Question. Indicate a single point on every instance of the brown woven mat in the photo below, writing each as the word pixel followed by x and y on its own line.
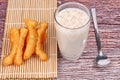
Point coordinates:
pixel 40 10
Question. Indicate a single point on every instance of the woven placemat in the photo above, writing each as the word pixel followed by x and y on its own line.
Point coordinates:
pixel 40 10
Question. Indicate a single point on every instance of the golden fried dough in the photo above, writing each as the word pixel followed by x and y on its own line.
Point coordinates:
pixel 31 24
pixel 44 37
pixel 14 39
pixel 41 33
pixel 24 42
pixel 18 57
pixel 31 38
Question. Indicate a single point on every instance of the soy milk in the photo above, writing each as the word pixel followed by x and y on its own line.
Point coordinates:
pixel 72 32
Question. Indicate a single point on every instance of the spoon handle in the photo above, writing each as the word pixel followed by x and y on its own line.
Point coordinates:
pixel 93 10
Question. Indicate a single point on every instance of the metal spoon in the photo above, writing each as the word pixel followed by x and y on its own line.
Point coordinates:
pixel 101 59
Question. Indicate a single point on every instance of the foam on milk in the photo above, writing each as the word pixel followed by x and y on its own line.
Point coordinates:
pixel 72 17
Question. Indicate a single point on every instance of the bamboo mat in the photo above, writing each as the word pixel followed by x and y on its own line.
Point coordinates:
pixel 40 10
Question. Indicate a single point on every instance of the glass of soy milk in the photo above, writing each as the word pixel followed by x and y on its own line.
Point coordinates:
pixel 72 21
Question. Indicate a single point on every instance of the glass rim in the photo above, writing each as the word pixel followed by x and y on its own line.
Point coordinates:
pixel 89 14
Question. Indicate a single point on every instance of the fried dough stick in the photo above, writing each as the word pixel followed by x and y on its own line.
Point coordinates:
pixel 18 57
pixel 44 37
pixel 41 33
pixel 14 39
pixel 31 39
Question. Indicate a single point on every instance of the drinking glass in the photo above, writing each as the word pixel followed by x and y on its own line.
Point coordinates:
pixel 72 40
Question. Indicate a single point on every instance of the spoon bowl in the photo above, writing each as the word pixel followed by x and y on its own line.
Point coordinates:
pixel 102 60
